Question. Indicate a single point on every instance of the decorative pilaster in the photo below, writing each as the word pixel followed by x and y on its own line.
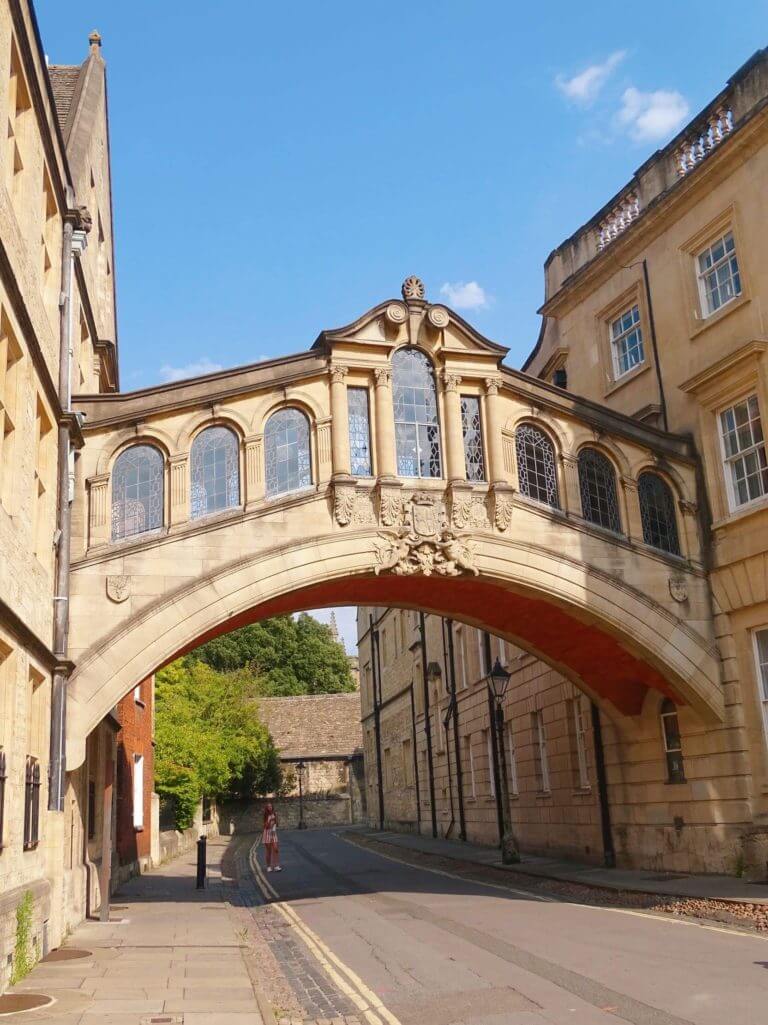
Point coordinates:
pixel 634 523
pixel 341 463
pixel 454 438
pixel 179 470
pixel 254 463
pixel 690 537
pixel 324 449
pixel 99 520
pixel 493 418
pixel 571 497
pixel 385 423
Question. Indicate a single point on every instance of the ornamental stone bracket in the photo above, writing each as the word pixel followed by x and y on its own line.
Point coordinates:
pixel 425 544
pixel 353 506
pixel 503 503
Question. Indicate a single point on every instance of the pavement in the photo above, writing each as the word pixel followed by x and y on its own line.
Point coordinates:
pixel 172 953
pixel 705 887
pixel 348 935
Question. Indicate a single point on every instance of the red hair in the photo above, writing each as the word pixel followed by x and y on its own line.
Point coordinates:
pixel 269 810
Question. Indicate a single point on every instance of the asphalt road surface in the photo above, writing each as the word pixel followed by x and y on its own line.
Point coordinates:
pixel 438 950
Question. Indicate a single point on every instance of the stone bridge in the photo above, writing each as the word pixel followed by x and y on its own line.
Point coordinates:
pixel 395 462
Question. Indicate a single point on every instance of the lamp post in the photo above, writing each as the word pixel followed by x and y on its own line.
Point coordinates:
pixel 300 771
pixel 498 682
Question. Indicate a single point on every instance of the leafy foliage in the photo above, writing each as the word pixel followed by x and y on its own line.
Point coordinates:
pixel 286 656
pixel 24 956
pixel 209 738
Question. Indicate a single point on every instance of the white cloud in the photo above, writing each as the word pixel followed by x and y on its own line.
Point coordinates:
pixel 196 369
pixel 465 295
pixel 585 87
pixel 649 117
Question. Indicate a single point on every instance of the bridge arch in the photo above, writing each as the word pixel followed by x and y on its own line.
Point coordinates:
pixel 604 635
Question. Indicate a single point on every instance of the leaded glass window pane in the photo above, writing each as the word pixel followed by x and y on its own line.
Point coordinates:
pixel 473 437
pixel 137 491
pixel 536 474
pixel 359 432
pixel 657 513
pixel 597 483
pixel 286 452
pixel 417 428
pixel 215 472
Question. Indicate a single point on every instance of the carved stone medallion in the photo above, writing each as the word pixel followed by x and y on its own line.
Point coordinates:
pixel 678 588
pixel 413 288
pixel 118 588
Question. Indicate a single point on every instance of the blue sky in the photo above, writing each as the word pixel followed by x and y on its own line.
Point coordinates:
pixel 279 168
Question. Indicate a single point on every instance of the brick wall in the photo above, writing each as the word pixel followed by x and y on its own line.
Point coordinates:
pixel 134 740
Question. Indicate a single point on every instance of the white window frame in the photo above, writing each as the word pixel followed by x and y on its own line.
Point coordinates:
pixel 615 340
pixel 489 745
pixel 471 761
pixel 580 733
pixel 729 461
pixel 137 694
pixel 707 310
pixel 502 651
pixel 514 785
pixel 138 791
pixel 541 746
pixel 761 671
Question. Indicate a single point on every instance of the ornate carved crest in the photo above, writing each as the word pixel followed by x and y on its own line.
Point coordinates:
pixel 678 588
pixel 118 588
pixel 469 511
pixel 426 545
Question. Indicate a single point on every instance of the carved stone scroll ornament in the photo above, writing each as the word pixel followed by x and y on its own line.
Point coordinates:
pixel 438 317
pixel 391 508
pixel 352 507
pixel 118 588
pixel 502 511
pixel 396 313
pixel 470 511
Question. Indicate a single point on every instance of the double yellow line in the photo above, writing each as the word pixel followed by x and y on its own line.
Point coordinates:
pixel 340 974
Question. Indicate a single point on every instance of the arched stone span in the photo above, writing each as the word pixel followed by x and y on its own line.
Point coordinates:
pixel 600 632
pixel 614 614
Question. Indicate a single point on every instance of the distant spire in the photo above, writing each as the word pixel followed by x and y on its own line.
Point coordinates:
pixel 95 41
pixel 333 627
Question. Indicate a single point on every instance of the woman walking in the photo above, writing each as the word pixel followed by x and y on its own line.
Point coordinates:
pixel 269 838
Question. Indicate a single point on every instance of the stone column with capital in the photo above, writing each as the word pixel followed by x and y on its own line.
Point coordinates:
pixel 454 436
pixel 254 469
pixel 570 500
pixel 99 513
pixel 634 521
pixel 340 458
pixel 496 473
pixel 386 462
pixel 179 472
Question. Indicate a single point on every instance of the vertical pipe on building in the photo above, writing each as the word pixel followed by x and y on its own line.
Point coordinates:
pixel 415 761
pixel 57 751
pixel 654 343
pixel 456 743
pixel 105 871
pixel 376 666
pixel 609 853
pixel 428 723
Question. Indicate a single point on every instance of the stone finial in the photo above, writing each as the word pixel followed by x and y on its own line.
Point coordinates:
pixel 413 288
pixel 94 40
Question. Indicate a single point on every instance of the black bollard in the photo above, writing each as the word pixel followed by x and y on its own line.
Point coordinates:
pixel 201 863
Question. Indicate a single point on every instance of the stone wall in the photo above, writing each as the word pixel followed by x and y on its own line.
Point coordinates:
pixel 319 811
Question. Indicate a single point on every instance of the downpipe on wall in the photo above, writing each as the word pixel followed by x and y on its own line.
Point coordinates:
pixel 76 225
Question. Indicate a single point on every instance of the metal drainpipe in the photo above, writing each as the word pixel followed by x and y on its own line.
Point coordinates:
pixel 72 239
pixel 609 852
pixel 654 343
pixel 456 741
pixel 415 761
pixel 428 723
pixel 376 665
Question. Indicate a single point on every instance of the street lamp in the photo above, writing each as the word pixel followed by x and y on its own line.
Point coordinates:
pixel 498 682
pixel 300 771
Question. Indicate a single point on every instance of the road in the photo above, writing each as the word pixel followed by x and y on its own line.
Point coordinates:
pixel 438 950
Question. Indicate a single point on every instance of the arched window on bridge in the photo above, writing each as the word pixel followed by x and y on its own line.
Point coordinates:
pixel 673 745
pixel 215 471
pixel 536 473
pixel 137 491
pixel 597 484
pixel 417 427
pixel 288 465
pixel 657 513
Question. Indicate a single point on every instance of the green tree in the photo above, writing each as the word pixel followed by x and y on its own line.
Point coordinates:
pixel 284 655
pixel 209 738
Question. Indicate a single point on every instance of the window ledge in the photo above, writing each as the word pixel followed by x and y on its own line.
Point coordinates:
pixel 619 382
pixel 542 795
pixel 581 791
pixel 139 703
pixel 743 512
pixel 714 318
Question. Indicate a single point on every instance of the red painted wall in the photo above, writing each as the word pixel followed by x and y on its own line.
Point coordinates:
pixel 134 738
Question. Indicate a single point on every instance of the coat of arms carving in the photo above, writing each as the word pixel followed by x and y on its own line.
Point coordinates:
pixel 118 588
pixel 426 545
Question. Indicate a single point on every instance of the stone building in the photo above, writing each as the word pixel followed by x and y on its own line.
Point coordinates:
pixel 653 308
pixel 321 731
pixel 57 339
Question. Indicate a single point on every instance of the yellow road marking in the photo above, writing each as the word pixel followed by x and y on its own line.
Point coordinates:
pixel 348 981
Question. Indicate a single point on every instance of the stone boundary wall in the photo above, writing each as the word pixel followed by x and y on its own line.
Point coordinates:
pixel 38 938
pixel 319 811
